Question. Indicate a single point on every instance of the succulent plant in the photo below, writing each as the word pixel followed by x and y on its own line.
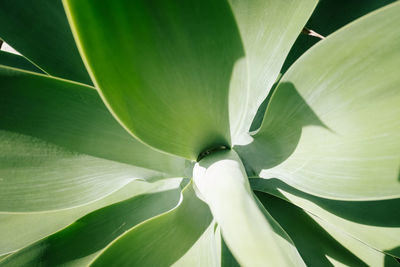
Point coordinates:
pixel 159 133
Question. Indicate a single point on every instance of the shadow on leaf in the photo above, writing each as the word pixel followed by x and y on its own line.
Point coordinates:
pixel 280 131
pixel 382 213
pixel 82 240
pixel 310 239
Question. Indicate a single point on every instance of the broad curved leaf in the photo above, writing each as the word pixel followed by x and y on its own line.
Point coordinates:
pixel 204 252
pixel 268 29
pixel 39 30
pixel 80 242
pixel 162 240
pixel 332 127
pixel 35 226
pixel 318 243
pixel 375 223
pixel 165 72
pixel 38 176
pixel 40 130
pixel 73 116
pixel 252 235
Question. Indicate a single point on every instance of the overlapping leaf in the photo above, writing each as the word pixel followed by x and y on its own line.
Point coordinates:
pixel 80 242
pixel 374 223
pixel 39 30
pixel 329 16
pixel 268 29
pixel 169 235
pixel 205 252
pixel 17 61
pixel 44 123
pixel 46 223
pixel 165 72
pixel 333 124
pixel 320 243
pixel 253 236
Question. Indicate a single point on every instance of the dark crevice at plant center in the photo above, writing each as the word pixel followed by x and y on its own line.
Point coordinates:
pixel 211 150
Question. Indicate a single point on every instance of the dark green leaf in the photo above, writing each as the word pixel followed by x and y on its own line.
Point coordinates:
pixel 80 242
pixel 17 61
pixel 160 241
pixel 39 30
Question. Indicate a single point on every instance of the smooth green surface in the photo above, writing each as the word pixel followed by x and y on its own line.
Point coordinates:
pixel 329 16
pixel 333 126
pixel 170 235
pixel 179 57
pixel 80 242
pixel 62 148
pixel 318 242
pixel 17 61
pixel 38 176
pixel 253 237
pixel 227 259
pixel 72 116
pixel 375 223
pixel 47 223
pixel 39 30
pixel 268 29
pixel 204 252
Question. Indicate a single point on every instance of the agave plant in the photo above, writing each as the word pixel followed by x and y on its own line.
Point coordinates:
pixel 133 133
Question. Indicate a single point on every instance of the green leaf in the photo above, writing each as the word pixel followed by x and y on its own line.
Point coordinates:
pixel 227 259
pixel 73 116
pixel 204 252
pixel 162 240
pixel 47 223
pixel 319 243
pixel 268 29
pixel 332 127
pixel 165 72
pixel 375 223
pixel 329 16
pixel 3 256
pixel 39 30
pixel 80 242
pixel 17 61
pixel 40 131
pixel 252 235
pixel 39 176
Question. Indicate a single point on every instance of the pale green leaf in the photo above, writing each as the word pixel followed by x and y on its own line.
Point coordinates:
pixel 318 243
pixel 329 16
pixel 80 242
pixel 375 223
pixel 43 122
pixel 204 252
pixel 39 30
pixel 162 240
pixel 39 176
pixel 163 68
pixel 268 29
pixel 332 127
pixel 35 226
pixel 227 259
pixel 252 235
